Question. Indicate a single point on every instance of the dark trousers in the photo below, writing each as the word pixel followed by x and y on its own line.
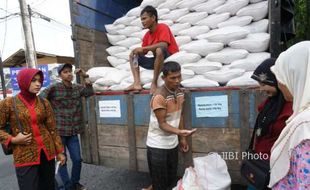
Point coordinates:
pixel 163 164
pixel 37 177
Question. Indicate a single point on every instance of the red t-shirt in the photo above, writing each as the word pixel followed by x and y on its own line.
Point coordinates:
pixel 161 34
pixel 264 144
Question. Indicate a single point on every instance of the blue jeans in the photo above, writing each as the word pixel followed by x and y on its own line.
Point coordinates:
pixel 73 145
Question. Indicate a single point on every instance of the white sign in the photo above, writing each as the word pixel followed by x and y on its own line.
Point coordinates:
pixel 110 108
pixel 211 106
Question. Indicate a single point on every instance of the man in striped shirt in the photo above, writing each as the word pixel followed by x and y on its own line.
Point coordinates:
pixel 165 128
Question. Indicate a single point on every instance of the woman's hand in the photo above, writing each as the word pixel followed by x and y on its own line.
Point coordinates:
pixel 61 158
pixel 22 139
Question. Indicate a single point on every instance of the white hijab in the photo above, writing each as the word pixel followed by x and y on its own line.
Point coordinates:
pixel 292 69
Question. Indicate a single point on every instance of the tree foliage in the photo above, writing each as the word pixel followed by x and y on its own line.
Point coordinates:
pixel 302 21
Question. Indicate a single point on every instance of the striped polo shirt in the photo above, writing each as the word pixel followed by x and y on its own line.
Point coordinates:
pixel 172 103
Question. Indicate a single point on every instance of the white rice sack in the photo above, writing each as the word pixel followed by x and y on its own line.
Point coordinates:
pixel 194 31
pixel 250 62
pixel 225 34
pixel 135 46
pixel 115 61
pixel 258 26
pixel 169 4
pixel 123 55
pixel 182 57
pixel 192 18
pixel 227 55
pixel 113 78
pixel 236 21
pixel 176 28
pixel 162 12
pixel 152 3
pixel 175 14
pixel 208 6
pixel 134 12
pixel 124 20
pixel 224 75
pixel 255 1
pixel 129 30
pixel 160 82
pixel 115 49
pixel 139 34
pixel 187 74
pixel 129 42
pixel 257 42
pixel 167 22
pixel 99 72
pixel 213 20
pixel 199 81
pixel 146 76
pixel 203 66
pixel 181 40
pixel 202 47
pixel 258 10
pixel 244 80
pixel 136 22
pixel 189 4
pixel 99 88
pixel 121 86
pixel 231 6
pixel 113 29
pixel 125 67
pixel 113 39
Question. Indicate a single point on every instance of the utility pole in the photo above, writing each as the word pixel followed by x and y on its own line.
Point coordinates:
pixel 308 20
pixel 2 78
pixel 30 52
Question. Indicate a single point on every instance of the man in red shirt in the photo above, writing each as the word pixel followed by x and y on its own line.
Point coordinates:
pixel 159 40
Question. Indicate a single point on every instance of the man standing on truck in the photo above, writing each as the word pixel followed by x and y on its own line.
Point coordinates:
pixel 65 99
pixel 159 40
pixel 166 127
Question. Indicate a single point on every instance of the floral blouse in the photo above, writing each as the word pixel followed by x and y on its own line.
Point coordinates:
pixel 298 176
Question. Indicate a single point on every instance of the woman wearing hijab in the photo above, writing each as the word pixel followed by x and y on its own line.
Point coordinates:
pixel 35 147
pixel 273 112
pixel 290 154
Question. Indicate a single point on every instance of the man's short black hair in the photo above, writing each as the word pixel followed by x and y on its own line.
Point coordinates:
pixel 170 66
pixel 151 11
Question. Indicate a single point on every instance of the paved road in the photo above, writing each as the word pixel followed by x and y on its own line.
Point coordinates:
pixel 93 177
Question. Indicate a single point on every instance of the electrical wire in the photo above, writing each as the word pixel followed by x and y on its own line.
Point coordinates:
pixel 5 27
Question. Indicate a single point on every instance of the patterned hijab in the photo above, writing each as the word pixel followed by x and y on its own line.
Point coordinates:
pixel 273 105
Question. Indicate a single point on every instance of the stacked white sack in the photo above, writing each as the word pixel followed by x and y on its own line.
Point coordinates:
pixel 209 33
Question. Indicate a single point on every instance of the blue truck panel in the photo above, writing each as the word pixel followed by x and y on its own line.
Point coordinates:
pixel 142 109
pixel 233 110
pixel 95 14
pixel 113 120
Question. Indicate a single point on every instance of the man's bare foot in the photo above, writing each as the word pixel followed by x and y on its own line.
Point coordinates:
pixel 153 88
pixel 134 87
pixel 148 188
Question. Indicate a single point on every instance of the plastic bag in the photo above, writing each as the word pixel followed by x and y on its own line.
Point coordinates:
pixel 212 172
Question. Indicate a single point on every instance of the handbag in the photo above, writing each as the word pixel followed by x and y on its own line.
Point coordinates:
pixel 8 150
pixel 255 171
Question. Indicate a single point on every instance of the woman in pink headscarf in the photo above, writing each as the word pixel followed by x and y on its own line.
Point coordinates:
pixel 290 154
pixel 37 142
